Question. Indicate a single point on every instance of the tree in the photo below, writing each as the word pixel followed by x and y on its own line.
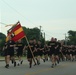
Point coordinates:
pixel 2 41
pixel 72 37
pixel 32 33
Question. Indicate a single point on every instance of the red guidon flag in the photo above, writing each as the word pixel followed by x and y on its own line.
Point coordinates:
pixel 16 32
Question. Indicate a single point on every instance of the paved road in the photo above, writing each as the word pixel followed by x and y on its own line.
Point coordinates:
pixel 64 68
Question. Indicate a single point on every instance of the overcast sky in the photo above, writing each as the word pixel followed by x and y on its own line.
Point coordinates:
pixel 56 17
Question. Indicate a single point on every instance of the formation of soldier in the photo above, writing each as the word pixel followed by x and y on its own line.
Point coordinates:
pixel 36 51
pixel 69 52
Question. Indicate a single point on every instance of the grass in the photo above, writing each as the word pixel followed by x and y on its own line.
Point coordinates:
pixel 2 57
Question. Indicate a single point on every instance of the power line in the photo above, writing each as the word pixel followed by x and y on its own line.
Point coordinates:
pixel 3 23
pixel 17 12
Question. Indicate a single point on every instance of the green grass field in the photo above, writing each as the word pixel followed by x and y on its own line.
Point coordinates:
pixel 2 57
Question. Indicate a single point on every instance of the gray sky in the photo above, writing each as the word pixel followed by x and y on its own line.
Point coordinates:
pixel 56 17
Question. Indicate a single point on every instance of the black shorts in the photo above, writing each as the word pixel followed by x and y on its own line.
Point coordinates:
pixel 35 54
pixel 40 53
pixel 29 56
pixel 45 53
pixel 73 53
pixel 5 53
pixel 57 53
pixel 50 53
pixel 19 53
pixel 9 52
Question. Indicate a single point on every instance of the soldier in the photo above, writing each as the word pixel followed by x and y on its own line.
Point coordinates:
pixel 35 51
pixel 45 52
pixel 52 45
pixel 64 52
pixel 40 52
pixel 30 49
pixel 10 52
pixel 5 52
pixel 73 53
pixel 57 51
pixel 20 47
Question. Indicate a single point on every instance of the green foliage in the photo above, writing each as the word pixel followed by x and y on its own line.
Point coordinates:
pixel 2 41
pixel 32 33
pixel 72 37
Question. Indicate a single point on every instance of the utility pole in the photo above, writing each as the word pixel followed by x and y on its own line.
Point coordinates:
pixel 65 39
pixel 44 37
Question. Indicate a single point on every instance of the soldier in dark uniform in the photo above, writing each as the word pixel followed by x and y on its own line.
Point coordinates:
pixel 20 47
pixel 10 52
pixel 35 51
pixel 40 49
pixel 64 53
pixel 29 53
pixel 57 51
pixel 45 52
pixel 73 53
pixel 52 45
pixel 67 53
pixel 5 53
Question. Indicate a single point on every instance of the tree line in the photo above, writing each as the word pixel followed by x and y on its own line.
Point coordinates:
pixel 32 33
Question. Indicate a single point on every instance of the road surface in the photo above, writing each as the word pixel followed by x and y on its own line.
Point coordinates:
pixel 64 68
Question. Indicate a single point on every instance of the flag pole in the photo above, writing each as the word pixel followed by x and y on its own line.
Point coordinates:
pixel 30 50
